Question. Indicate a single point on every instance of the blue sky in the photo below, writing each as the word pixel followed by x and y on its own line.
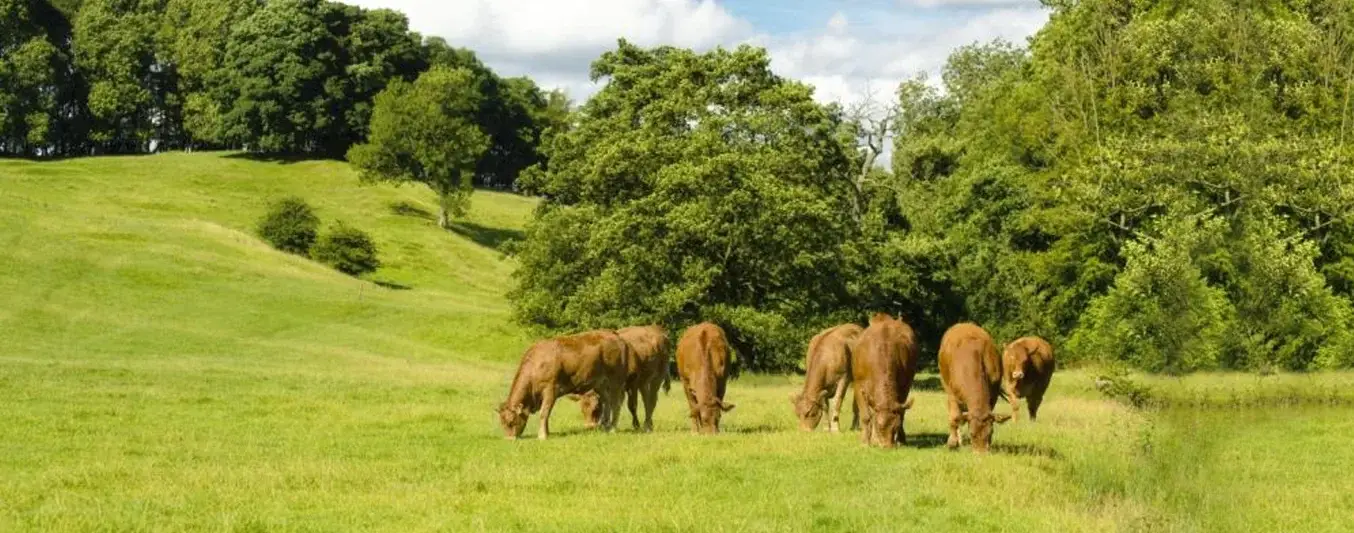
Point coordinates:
pixel 845 48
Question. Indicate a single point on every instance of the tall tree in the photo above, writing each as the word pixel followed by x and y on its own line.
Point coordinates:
pixel 425 132
pixel 129 92
pixel 36 86
pixel 193 38
pixel 693 186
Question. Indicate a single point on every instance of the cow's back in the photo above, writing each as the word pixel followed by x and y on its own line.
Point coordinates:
pixel 589 358
pixel 969 365
pixel 648 349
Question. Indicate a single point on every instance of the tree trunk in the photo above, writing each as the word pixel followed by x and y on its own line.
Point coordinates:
pixel 443 217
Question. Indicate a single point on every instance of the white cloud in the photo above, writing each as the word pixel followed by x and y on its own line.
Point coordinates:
pixel 555 41
pixel 968 3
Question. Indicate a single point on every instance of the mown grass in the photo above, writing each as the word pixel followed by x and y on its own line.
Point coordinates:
pixel 163 370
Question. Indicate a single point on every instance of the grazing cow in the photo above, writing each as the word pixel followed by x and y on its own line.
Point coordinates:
pixel 591 361
pixel 702 361
pixel 970 371
pixel 827 374
pixel 884 363
pixel 647 371
pixel 1027 368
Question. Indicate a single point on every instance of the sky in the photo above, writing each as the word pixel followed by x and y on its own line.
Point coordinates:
pixel 846 49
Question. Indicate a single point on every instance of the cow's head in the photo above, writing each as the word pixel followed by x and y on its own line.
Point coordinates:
pixel 981 428
pixel 809 409
pixel 707 414
pixel 513 418
pixel 887 424
pixel 1015 360
pixel 591 406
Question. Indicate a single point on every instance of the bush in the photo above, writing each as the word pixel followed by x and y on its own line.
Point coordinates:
pixel 348 250
pixel 1161 315
pixel 290 225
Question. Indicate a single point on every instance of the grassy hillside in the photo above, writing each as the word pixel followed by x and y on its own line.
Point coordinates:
pixel 161 369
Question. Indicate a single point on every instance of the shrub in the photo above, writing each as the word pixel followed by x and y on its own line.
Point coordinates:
pixel 348 250
pixel 290 225
pixel 1161 315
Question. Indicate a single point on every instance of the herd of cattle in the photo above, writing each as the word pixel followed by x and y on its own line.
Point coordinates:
pixel 600 368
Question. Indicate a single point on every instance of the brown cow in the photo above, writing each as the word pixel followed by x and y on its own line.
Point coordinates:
pixel 970 371
pixel 1027 368
pixel 647 371
pixel 702 358
pixel 883 363
pixel 591 361
pixel 827 373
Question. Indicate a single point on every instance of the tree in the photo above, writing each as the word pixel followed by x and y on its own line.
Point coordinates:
pixel 692 187
pixel 35 83
pixel 425 132
pixel 129 91
pixel 193 38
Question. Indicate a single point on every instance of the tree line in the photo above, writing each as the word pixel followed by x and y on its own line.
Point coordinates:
pixel 296 77
pixel 1160 183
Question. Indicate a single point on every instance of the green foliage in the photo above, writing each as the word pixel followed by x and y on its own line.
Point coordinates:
pixel 1044 176
pixel 290 225
pixel 114 45
pixel 673 200
pixel 425 132
pixel 346 249
pixel 35 83
pixel 1161 315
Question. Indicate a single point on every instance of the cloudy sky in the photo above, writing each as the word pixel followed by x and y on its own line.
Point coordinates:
pixel 844 48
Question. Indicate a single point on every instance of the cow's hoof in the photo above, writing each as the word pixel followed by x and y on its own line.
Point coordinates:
pixel 952 443
pixel 541 437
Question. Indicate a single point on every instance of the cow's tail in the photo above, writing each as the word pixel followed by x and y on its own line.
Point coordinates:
pixel 667 380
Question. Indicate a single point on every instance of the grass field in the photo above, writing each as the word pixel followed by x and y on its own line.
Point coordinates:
pixel 161 369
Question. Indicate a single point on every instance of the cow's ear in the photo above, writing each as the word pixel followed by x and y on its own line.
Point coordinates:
pixel 726 406
pixel 573 397
pixel 501 407
pixel 1001 418
pixel 907 404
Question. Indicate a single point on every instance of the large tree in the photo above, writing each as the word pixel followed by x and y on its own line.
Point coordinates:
pixel 425 132
pixel 193 37
pixel 1035 170
pixel 693 186
pixel 37 90
pixel 130 93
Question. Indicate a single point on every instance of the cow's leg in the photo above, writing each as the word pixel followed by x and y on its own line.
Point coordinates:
pixel 650 401
pixel 952 405
pixel 547 403
pixel 1015 402
pixel 691 404
pixel 632 399
pixel 864 418
pixel 855 414
pixel 617 396
pixel 835 409
pixel 1034 401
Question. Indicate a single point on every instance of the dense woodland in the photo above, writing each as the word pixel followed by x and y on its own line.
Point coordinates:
pixel 1160 183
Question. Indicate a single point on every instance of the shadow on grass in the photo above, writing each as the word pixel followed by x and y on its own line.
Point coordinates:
pixel 926 441
pixel 929 383
pixel 410 210
pixel 282 159
pixel 392 285
pixel 743 430
pixel 486 236
pixel 1032 450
